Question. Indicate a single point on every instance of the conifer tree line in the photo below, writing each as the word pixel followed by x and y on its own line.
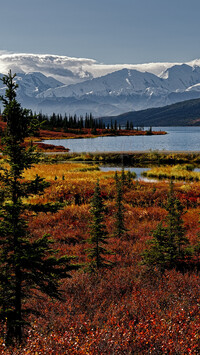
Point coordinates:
pixel 68 122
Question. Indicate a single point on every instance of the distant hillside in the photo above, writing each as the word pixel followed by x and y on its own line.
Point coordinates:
pixel 185 113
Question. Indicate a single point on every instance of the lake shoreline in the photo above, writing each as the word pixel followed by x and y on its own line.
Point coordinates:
pixel 178 140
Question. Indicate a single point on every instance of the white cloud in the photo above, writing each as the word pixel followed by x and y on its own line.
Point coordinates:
pixel 69 69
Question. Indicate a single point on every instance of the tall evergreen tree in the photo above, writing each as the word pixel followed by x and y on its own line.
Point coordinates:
pixel 25 264
pixel 98 232
pixel 168 247
pixel 127 125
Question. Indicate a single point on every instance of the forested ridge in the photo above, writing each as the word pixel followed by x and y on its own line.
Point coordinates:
pixel 184 113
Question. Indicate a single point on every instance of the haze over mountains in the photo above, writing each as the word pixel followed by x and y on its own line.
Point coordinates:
pixel 60 84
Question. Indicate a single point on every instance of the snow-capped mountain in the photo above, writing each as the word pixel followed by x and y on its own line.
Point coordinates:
pixel 32 84
pixel 50 83
pixel 69 70
pixel 122 82
pixel 128 90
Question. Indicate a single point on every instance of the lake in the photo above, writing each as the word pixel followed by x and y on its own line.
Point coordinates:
pixel 177 139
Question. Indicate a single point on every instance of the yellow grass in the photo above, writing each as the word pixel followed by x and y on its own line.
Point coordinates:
pixel 66 171
pixel 176 172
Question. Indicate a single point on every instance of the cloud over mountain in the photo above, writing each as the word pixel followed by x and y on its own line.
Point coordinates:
pixel 64 67
pixel 52 83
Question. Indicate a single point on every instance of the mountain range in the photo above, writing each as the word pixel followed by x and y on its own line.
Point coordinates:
pixel 60 84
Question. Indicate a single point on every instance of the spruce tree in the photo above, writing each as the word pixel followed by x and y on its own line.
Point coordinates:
pixel 26 264
pixel 168 247
pixel 98 232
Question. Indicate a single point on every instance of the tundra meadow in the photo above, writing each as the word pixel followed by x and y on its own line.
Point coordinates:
pixel 125 278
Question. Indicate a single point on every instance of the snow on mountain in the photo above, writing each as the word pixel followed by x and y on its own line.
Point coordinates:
pixel 65 69
pixel 122 82
pixel 32 84
pixel 194 87
pixel 69 70
pixel 180 77
pixel 51 83
pixel 134 90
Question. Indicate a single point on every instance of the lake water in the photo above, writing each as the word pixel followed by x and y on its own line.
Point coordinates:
pixel 138 171
pixel 177 139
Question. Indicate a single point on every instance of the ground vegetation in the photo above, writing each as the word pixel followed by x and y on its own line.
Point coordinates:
pixel 127 308
pixel 130 308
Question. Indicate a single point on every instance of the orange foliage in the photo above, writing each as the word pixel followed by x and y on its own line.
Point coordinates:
pixel 126 309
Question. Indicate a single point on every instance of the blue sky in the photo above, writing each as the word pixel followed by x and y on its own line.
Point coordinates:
pixel 110 31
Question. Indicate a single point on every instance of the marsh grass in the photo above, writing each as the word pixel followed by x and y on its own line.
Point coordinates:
pixel 176 172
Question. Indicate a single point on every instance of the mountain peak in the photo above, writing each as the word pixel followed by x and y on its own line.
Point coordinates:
pixel 62 84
